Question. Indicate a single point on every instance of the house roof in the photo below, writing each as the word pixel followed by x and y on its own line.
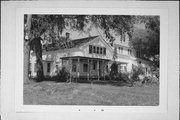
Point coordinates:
pixel 82 41
pixel 72 43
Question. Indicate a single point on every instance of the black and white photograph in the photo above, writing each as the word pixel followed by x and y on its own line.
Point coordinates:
pixel 91 60
pixel 97 60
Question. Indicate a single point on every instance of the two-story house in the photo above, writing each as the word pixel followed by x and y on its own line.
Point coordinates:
pixel 88 57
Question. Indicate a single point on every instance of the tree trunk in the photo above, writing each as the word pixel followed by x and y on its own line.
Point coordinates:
pixel 39 61
pixel 27 50
pixel 26 61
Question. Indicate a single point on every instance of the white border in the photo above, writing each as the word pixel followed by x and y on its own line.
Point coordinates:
pixel 98 11
pixel 168 108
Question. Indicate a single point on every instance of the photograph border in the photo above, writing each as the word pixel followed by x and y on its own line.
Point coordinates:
pixel 165 85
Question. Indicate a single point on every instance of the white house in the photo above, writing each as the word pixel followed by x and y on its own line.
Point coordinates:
pixel 88 57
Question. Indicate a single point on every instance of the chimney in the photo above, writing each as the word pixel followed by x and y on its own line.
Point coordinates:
pixel 67 36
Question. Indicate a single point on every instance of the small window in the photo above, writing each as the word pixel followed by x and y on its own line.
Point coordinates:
pixel 90 49
pixel 97 50
pixel 107 68
pixel 129 52
pixel 74 68
pixel 94 49
pixel 101 50
pixel 48 67
pixel 85 67
pixel 104 51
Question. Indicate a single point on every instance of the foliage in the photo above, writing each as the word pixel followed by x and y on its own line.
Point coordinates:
pixel 62 76
pixel 147 41
pixel 114 71
pixel 136 72
pixel 115 54
pixel 49 27
pixel 150 80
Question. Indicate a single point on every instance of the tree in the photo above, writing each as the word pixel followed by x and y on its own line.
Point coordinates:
pixel 41 24
pixel 27 38
pixel 147 40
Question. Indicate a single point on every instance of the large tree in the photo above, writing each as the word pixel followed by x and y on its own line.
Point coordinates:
pixel 41 24
pixel 147 40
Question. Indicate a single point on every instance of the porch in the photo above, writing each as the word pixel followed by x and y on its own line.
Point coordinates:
pixel 85 67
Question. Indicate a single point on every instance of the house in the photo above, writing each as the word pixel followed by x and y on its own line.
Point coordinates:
pixel 86 57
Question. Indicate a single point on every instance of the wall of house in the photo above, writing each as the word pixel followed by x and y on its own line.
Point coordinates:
pixel 97 43
pixel 54 58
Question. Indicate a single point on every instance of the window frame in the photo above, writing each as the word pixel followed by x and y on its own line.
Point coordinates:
pixel 48 67
pixel 85 67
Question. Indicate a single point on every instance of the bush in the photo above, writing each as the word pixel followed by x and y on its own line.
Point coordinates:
pixel 107 77
pixel 150 80
pixel 136 72
pixel 114 71
pixel 62 75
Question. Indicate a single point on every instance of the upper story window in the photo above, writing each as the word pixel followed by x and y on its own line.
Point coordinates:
pixel 101 50
pixel 97 50
pixel 90 48
pixel 94 49
pixel 129 52
pixel 120 50
pixel 104 51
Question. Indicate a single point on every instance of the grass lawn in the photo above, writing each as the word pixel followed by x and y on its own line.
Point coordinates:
pixel 52 93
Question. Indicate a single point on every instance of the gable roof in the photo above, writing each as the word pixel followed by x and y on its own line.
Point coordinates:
pixel 82 41
pixel 102 40
pixel 72 43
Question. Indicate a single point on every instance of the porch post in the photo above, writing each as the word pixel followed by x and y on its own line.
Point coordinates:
pixel 103 69
pixel 88 69
pixel 70 60
pixel 78 67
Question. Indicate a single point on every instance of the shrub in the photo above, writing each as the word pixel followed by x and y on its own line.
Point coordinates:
pixel 150 81
pixel 114 71
pixel 136 72
pixel 62 75
pixel 107 77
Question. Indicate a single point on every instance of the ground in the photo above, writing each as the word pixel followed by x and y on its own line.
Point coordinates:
pixel 52 93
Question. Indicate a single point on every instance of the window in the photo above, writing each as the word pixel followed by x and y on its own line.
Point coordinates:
pixel 48 67
pixel 122 50
pixel 107 68
pixel 104 51
pixel 85 67
pixel 94 49
pixel 119 49
pixel 101 50
pixel 129 52
pixel 74 68
pixel 97 50
pixel 94 65
pixel 90 48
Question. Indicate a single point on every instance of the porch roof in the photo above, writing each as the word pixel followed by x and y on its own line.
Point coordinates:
pixel 76 57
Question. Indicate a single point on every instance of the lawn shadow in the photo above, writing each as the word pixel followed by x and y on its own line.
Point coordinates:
pixel 90 81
